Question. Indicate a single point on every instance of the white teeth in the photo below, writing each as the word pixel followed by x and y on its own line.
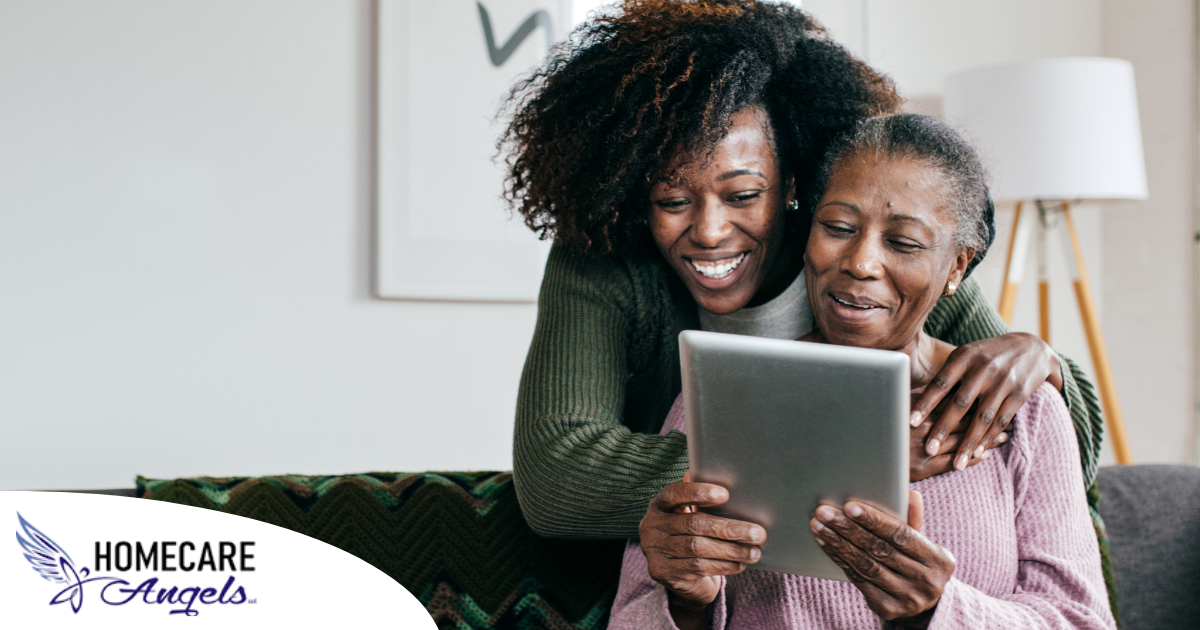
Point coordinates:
pixel 845 303
pixel 718 271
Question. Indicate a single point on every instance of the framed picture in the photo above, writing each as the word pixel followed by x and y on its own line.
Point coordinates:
pixel 444 68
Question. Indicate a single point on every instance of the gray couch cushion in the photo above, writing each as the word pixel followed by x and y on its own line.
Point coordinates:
pixel 1153 519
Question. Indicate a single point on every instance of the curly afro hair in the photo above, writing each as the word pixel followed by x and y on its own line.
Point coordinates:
pixel 649 78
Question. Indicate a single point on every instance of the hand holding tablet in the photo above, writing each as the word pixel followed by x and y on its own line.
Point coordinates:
pixel 688 549
pixel 899 571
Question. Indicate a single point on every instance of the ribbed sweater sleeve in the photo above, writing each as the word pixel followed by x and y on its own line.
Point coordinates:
pixel 578 471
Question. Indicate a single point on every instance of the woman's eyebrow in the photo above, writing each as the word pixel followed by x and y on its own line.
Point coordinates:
pixel 849 206
pixel 907 218
pixel 739 173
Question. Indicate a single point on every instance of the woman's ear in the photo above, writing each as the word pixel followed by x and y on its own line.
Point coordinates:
pixel 789 201
pixel 958 271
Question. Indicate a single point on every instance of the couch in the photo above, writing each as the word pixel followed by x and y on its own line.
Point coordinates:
pixel 458 542
pixel 1152 514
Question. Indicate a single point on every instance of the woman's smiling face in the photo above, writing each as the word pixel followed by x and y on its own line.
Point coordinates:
pixel 881 251
pixel 719 221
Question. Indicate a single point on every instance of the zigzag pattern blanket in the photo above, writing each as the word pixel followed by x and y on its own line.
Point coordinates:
pixel 455 540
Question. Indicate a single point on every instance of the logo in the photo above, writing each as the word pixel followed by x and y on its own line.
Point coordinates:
pixel 51 561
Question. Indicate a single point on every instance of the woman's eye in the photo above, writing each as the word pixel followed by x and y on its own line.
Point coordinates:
pixel 671 205
pixel 905 246
pixel 838 230
pixel 745 197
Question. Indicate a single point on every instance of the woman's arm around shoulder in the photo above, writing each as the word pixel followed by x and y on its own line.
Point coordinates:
pixel 967 317
pixel 579 472
pixel 1059 582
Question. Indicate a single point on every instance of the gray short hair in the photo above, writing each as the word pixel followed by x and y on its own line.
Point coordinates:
pixel 927 139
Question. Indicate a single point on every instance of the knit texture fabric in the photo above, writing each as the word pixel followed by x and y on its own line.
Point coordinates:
pixel 455 540
pixel 603 370
pixel 1017 524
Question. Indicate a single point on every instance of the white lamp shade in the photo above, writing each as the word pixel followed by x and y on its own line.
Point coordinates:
pixel 1054 128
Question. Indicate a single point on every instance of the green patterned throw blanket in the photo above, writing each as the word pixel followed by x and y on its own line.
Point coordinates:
pixel 456 540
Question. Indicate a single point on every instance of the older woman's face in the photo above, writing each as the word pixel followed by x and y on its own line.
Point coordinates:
pixel 719 222
pixel 881 250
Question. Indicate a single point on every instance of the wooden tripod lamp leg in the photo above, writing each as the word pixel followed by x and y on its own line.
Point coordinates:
pixel 1091 327
pixel 1043 280
pixel 1012 273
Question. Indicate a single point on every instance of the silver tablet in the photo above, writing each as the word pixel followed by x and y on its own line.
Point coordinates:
pixel 787 425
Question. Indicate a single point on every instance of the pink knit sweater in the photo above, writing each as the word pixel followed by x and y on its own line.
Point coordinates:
pixel 1016 523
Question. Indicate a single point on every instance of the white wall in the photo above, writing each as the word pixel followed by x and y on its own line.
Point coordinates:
pixel 1149 245
pixel 184 257
pixel 185 241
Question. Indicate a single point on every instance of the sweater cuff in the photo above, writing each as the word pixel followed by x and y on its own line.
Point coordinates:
pixel 1068 379
pixel 718 613
pixel 954 609
pixel 661 602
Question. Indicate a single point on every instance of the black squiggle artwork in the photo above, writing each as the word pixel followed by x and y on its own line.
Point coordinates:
pixel 501 54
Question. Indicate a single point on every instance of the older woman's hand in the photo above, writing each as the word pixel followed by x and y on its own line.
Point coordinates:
pixel 687 551
pixel 899 571
pixel 996 376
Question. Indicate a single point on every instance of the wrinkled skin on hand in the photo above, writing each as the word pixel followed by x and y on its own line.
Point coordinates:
pixel 899 571
pixel 688 551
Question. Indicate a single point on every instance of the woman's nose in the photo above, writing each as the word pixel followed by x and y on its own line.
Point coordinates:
pixel 863 260
pixel 712 226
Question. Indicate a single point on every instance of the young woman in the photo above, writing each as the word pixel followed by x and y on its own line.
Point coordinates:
pixel 1005 544
pixel 612 150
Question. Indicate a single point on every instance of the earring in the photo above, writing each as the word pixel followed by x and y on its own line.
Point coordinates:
pixel 794 205
pixel 950 289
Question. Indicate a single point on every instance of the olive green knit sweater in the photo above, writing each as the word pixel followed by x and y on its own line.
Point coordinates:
pixel 603 370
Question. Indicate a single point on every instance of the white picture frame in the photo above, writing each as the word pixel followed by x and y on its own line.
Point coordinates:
pixel 442 229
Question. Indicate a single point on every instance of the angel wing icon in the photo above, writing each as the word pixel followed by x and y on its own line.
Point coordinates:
pixel 53 563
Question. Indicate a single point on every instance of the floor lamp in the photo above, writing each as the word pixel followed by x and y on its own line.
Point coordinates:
pixel 1056 131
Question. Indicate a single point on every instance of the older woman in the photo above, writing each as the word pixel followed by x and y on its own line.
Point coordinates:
pixel 612 150
pixel 1006 544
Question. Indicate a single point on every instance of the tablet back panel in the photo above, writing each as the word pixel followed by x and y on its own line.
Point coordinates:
pixel 787 425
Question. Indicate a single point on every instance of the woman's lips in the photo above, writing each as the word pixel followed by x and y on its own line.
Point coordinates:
pixel 850 308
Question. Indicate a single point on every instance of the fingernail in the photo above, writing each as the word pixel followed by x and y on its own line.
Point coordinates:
pixel 854 510
pixel 820 542
pixel 915 419
pixel 825 513
pixel 932 446
pixel 987 455
pixel 979 452
pixel 757 535
pixel 1003 438
pixel 960 463
pixel 755 555
pixel 816 526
